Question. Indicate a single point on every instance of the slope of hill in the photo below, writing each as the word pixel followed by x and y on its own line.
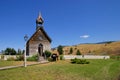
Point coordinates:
pixel 109 48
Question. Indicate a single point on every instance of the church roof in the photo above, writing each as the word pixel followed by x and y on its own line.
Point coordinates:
pixel 43 31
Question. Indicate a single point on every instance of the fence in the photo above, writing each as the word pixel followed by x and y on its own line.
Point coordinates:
pixel 86 57
pixel 5 57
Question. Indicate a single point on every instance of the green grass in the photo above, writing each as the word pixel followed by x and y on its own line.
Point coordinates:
pixel 10 63
pixel 14 63
pixel 64 70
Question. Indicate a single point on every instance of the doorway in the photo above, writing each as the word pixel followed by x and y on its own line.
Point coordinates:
pixel 40 49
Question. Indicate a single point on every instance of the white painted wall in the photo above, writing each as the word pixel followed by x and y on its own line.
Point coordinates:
pixel 7 56
pixel 86 57
pixel 69 56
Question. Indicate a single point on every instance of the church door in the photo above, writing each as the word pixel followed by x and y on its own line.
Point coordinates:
pixel 40 49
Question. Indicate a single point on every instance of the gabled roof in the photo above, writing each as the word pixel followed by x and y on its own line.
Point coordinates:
pixel 43 31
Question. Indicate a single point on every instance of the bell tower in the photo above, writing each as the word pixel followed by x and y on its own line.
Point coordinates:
pixel 39 21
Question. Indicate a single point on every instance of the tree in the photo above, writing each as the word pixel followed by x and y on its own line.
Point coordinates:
pixel 20 52
pixel 71 50
pixel 78 52
pixel 60 49
pixel 10 51
pixel 13 51
pixel 2 51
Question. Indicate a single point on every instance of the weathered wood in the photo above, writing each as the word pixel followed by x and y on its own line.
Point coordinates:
pixel 39 37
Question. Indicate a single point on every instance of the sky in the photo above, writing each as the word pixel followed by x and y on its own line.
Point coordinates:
pixel 67 22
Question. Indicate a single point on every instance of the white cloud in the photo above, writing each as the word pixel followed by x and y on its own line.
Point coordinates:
pixel 84 36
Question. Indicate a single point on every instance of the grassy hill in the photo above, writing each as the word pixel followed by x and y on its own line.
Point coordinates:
pixel 103 48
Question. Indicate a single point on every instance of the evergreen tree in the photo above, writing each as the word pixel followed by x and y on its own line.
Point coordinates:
pixel 60 49
pixel 71 50
pixel 78 52
pixel 19 52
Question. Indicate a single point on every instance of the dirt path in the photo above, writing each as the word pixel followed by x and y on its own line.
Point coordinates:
pixel 22 65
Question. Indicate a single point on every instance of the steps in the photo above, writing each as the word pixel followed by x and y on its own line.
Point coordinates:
pixel 41 59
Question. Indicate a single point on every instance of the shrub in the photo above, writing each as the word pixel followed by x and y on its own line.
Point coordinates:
pixel 82 61
pixel 112 57
pixel 79 61
pixel 33 58
pixel 47 53
pixel 118 57
pixel 73 60
pixel 50 59
pixel 19 58
pixel 61 57
pixel 115 57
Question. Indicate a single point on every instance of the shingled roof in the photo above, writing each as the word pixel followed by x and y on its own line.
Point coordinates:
pixel 43 31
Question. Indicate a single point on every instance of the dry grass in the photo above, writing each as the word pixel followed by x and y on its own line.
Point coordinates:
pixel 13 63
pixel 111 48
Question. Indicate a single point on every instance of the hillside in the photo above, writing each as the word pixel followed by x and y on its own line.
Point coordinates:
pixel 109 48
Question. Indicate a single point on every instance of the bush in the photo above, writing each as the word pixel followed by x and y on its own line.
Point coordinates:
pixel 19 58
pixel 47 53
pixel 73 60
pixel 50 59
pixel 118 57
pixel 33 58
pixel 79 61
pixel 115 57
pixel 82 61
pixel 61 57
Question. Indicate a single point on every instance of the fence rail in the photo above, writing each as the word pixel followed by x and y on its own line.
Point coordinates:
pixel 5 57
pixel 86 57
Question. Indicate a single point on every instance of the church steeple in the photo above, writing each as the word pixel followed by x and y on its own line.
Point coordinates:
pixel 39 21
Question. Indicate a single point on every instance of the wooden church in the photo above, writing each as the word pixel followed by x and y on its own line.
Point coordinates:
pixel 39 41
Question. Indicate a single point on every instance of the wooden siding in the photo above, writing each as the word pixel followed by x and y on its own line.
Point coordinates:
pixel 35 40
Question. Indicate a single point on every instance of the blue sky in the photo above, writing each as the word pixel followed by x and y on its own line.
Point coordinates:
pixel 68 22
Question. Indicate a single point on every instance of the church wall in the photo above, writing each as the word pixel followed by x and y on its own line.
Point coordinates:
pixel 33 46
